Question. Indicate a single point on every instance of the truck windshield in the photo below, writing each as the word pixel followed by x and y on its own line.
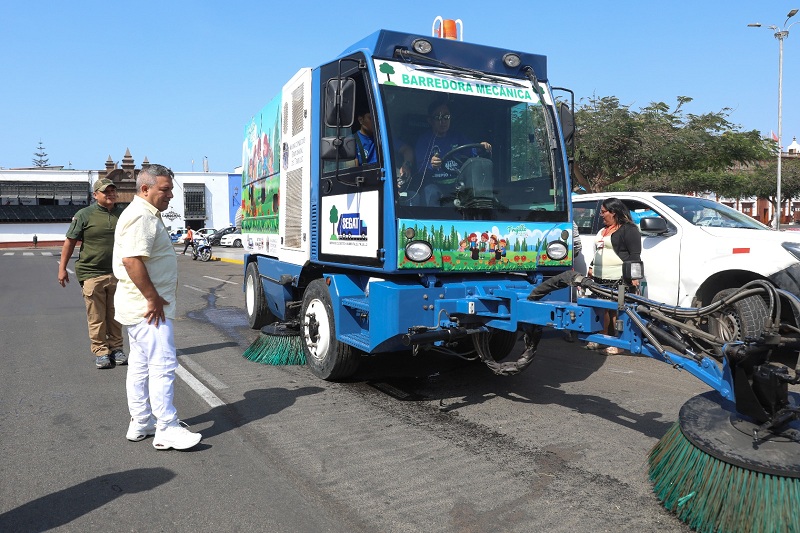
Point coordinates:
pixel 463 148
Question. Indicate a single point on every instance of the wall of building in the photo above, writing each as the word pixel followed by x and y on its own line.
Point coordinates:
pixel 221 189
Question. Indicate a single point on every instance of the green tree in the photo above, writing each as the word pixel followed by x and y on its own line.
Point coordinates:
pixel 615 143
pixel 334 218
pixel 387 69
pixel 41 156
pixel 762 182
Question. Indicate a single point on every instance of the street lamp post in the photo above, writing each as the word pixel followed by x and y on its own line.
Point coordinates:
pixel 780 34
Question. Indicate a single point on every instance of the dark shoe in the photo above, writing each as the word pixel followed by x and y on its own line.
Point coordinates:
pixel 103 361
pixel 118 357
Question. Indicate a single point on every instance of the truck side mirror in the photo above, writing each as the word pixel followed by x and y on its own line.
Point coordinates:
pixel 333 148
pixel 340 98
pixel 653 225
pixel 567 125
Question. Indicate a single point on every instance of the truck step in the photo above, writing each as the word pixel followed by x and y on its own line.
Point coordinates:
pixel 354 302
pixel 358 340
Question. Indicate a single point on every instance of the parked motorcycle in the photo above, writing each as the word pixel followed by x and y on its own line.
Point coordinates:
pixel 202 249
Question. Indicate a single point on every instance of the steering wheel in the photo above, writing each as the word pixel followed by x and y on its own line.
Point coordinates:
pixel 459 159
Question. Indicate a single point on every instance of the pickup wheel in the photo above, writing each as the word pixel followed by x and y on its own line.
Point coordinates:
pixel 258 313
pixel 740 320
pixel 327 358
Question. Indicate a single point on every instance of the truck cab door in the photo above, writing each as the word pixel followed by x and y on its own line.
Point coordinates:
pixel 349 184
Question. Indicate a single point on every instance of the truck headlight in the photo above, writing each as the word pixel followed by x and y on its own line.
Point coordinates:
pixel 793 248
pixel 418 251
pixel 557 250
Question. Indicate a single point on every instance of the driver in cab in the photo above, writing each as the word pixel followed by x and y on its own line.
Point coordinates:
pixel 432 146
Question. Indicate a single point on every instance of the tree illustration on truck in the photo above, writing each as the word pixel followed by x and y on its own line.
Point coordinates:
pixel 333 219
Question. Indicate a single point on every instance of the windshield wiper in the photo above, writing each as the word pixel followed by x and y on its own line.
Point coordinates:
pixel 445 67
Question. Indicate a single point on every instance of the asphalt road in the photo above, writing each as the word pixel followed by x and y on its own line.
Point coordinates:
pixel 428 444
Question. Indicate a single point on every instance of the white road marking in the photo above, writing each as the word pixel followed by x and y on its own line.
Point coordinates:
pixel 207 376
pixel 223 280
pixel 27 253
pixel 210 398
pixel 203 290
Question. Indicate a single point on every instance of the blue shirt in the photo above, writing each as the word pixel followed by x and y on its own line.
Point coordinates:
pixel 369 149
pixel 428 145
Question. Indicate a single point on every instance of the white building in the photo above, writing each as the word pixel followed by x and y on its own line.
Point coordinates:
pixel 42 202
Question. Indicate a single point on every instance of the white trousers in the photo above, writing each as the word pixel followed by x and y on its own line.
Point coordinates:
pixel 151 372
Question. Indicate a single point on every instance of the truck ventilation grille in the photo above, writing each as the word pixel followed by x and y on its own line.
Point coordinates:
pixel 285 117
pixel 297 110
pixel 294 208
pixel 314 226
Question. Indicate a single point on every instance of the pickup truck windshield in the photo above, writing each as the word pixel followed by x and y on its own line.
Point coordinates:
pixel 464 148
pixel 703 212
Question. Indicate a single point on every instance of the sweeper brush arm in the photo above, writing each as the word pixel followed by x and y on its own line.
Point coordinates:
pixel 741 369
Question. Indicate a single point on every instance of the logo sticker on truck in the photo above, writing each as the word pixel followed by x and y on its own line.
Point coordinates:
pixel 350 217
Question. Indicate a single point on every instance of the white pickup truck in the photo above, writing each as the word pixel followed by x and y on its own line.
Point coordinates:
pixel 706 250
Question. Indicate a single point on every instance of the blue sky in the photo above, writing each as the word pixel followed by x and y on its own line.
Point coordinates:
pixel 176 81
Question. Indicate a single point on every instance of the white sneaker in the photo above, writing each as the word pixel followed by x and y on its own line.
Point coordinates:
pixel 175 436
pixel 138 431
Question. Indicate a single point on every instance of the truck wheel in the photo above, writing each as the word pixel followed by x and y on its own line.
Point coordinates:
pixel 501 342
pixel 327 358
pixel 743 319
pixel 258 313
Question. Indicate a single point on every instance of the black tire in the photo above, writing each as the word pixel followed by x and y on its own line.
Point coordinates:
pixel 501 342
pixel 258 313
pixel 327 358
pixel 205 255
pixel 237 243
pixel 742 319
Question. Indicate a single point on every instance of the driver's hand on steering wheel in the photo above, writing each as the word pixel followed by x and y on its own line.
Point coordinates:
pixel 486 146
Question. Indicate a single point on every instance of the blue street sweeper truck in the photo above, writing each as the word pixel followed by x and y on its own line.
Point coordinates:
pixel 413 193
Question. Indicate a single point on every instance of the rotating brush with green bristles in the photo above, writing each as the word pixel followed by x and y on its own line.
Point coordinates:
pixel 717 478
pixel 279 344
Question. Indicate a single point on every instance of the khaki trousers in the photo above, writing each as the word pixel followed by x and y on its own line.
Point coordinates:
pixel 105 333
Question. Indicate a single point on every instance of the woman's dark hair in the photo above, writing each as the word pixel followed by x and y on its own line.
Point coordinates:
pixel 620 211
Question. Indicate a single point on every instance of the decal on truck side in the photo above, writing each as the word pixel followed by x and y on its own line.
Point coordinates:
pixel 476 246
pixel 350 216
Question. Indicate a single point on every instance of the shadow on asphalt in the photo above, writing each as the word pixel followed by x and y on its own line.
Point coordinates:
pixel 456 383
pixel 64 506
pixel 255 405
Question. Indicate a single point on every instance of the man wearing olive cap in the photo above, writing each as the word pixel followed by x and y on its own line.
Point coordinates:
pixel 94 226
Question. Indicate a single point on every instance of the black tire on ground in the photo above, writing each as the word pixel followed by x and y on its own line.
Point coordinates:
pixel 327 358
pixel 258 313
pixel 237 243
pixel 205 255
pixel 745 318
pixel 501 343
